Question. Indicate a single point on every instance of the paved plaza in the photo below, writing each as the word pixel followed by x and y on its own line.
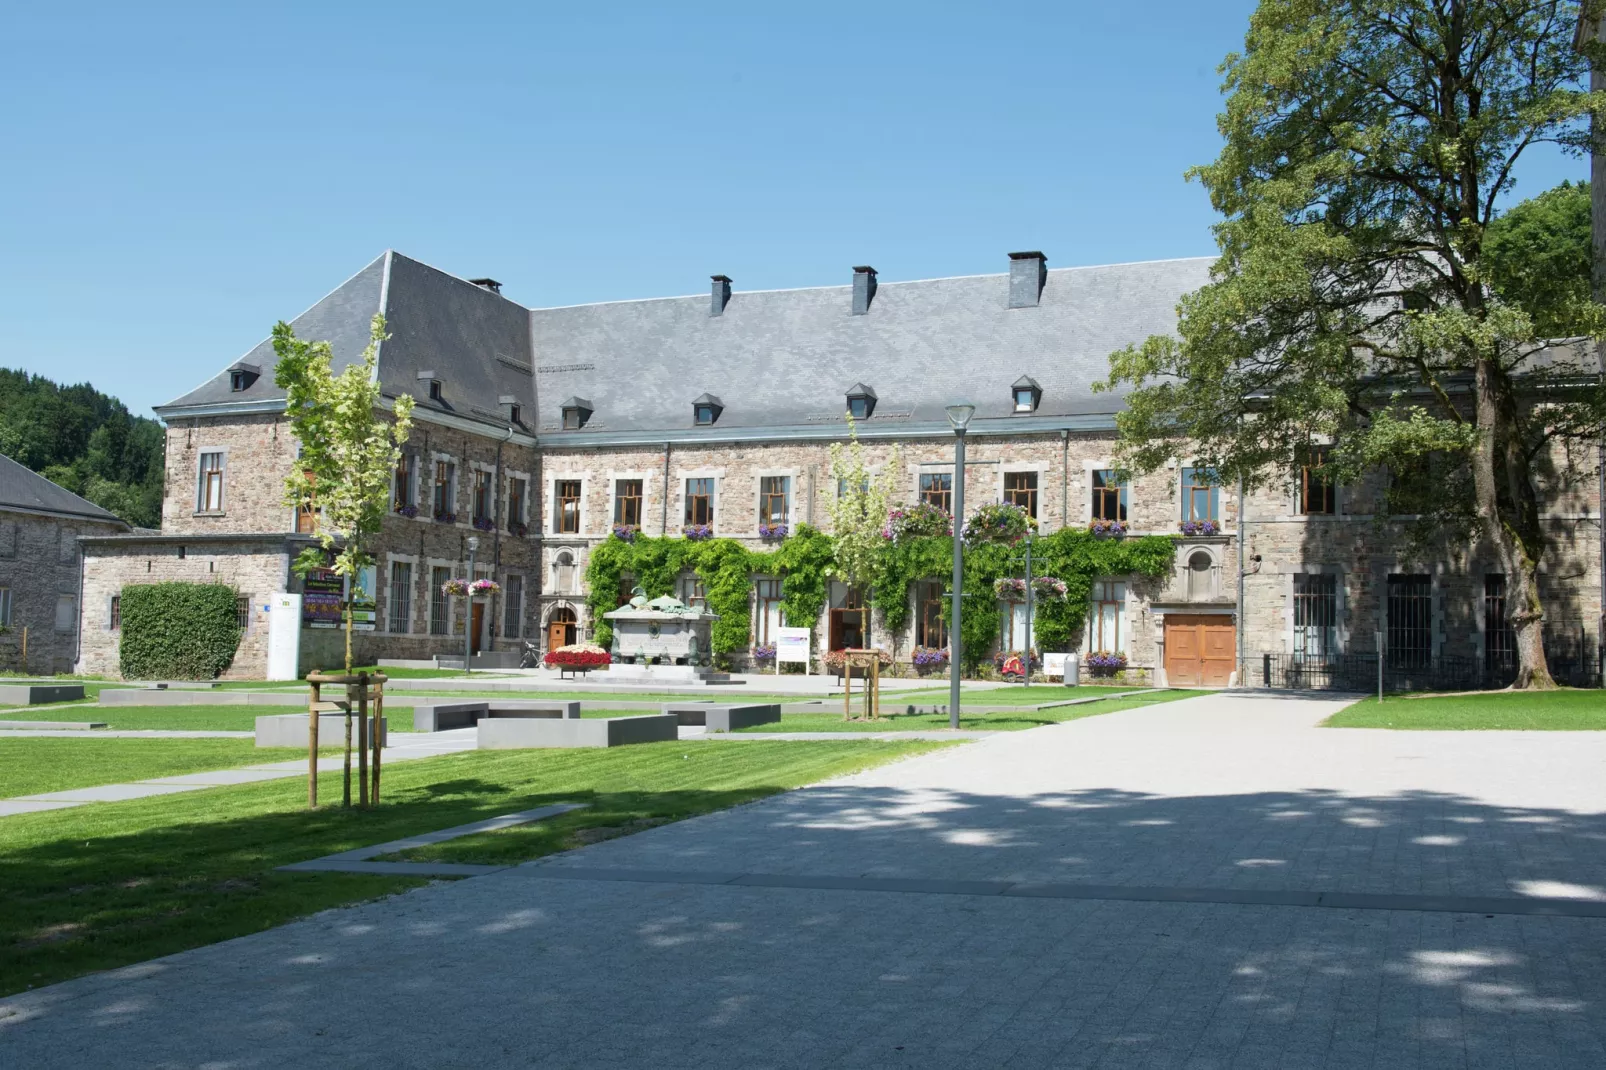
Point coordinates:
pixel 1208 883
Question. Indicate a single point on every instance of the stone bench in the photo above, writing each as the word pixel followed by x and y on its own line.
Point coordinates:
pixel 290 730
pixel 34 694
pixel 441 716
pixel 723 718
pixel 514 733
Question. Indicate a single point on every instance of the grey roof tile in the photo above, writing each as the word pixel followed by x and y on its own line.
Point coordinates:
pixel 26 490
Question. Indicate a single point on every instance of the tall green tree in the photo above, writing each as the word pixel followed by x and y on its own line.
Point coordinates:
pixel 1368 144
pixel 859 515
pixel 349 450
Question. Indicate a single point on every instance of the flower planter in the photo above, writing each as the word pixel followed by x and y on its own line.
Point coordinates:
pixel 698 532
pixel 1003 523
pixel 409 511
pixel 773 532
pixel 484 523
pixel 445 518
pixel 1200 527
pixel 624 532
pixel 1108 529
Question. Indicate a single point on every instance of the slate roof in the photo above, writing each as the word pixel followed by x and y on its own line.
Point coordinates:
pixel 782 361
pixel 27 491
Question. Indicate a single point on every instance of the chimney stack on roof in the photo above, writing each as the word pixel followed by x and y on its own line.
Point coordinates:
pixel 863 289
pixel 488 284
pixel 721 295
pixel 1027 274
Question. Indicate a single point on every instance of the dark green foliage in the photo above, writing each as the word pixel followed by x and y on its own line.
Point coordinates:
pixel 85 441
pixel 178 631
pixel 1538 258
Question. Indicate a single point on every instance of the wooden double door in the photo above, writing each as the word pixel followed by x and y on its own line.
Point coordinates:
pixel 1200 649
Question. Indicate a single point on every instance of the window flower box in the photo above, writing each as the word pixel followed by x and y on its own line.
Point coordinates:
pixel 1044 589
pixel 625 532
pixel 929 659
pixel 578 657
pixel 409 511
pixel 1108 529
pixel 1104 664
pixel 1200 527
pixel 699 532
pixel 484 523
pixel 444 517
pixel 773 532
pixel 764 654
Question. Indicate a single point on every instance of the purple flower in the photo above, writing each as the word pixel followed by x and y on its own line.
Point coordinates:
pixel 1200 527
pixel 409 511
pixel 484 523
pixel 445 517
pixel 624 532
pixel 772 531
pixel 699 532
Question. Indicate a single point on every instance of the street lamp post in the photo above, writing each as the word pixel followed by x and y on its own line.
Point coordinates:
pixel 1026 677
pixel 468 607
pixel 959 417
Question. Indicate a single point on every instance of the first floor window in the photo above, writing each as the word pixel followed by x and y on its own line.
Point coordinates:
pixel 209 496
pixel 1013 623
pixel 1106 618
pixel 700 502
pixel 1201 496
pixel 66 612
pixel 1315 616
pixel 1317 496
pixel 929 628
pixel 482 495
pixel 401 596
pixel 1499 639
pixel 513 607
pixel 1410 621
pixel 114 613
pixel 773 492
pixel 1020 488
pixel 402 490
pixel 445 492
pixel 242 611
pixel 515 503
pixel 768 611
pixel 627 503
pixel 566 511
pixel 307 511
pixel 937 488
pixel 1109 496
pixel 691 589
pixel 440 604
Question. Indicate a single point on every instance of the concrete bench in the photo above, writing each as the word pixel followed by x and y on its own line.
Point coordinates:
pixel 514 733
pixel 553 711
pixel 723 718
pixel 442 716
pixel 34 694
pixel 290 730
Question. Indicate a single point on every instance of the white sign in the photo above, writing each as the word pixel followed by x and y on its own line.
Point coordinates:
pixel 284 636
pixel 792 644
pixel 1054 664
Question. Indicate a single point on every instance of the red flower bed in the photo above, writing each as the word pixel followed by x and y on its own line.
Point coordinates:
pixel 579 656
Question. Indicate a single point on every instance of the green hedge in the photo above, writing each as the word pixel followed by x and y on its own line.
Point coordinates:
pixel 178 631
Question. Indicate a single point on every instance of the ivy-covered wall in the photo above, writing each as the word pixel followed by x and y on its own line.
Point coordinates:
pixel 178 631
pixel 727 569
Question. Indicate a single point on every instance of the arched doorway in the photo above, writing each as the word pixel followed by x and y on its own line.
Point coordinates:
pixel 561 628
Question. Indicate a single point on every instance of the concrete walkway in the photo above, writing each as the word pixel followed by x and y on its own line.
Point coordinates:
pixel 1222 885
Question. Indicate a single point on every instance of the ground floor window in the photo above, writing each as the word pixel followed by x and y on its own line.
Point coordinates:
pixel 66 612
pixel 114 614
pixel 1315 616
pixel 440 604
pixel 513 606
pixel 1499 639
pixel 242 611
pixel 767 611
pixel 1410 621
pixel 401 595
pixel 929 627
pixel 1106 618
pixel 1012 626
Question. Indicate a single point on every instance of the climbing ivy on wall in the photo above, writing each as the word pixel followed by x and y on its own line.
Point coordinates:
pixel 727 569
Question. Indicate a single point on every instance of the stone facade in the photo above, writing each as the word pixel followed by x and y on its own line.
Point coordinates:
pixel 39 571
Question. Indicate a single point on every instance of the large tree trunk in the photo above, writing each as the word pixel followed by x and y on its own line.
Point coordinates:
pixel 1507 511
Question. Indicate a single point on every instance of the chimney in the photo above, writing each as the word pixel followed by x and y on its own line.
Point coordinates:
pixel 488 284
pixel 863 289
pixel 1027 274
pixel 721 295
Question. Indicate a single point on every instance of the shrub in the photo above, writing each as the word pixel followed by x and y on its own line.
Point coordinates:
pixel 178 631
pixel 1103 663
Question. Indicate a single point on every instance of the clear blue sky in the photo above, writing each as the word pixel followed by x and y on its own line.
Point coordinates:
pixel 177 177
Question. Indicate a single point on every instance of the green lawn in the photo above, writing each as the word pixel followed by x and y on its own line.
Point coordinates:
pixel 996 722
pixel 240 718
pixel 29 766
pixel 110 884
pixel 1558 711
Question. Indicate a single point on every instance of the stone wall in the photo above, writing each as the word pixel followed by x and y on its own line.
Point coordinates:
pixel 39 565
pixel 258 452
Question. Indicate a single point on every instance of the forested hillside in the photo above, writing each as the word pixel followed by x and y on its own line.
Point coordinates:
pixel 87 442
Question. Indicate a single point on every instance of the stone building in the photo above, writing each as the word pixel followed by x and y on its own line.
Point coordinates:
pixel 41 529
pixel 540 430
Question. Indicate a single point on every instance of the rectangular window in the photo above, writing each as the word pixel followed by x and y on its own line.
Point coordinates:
pixel 842 487
pixel 773 492
pixel 1410 621
pixel 114 613
pixel 1109 496
pixel 66 612
pixel 482 496
pixel 1201 494
pixel 700 501
pixel 242 611
pixel 307 512
pixel 566 506
pixel 445 491
pixel 1315 617
pixel 692 591
pixel 937 488
pixel 1317 496
pixel 401 597
pixel 1020 488
pixel 513 607
pixel 209 493
pixel 929 628
pixel 768 611
pixel 515 505
pixel 440 604
pixel 1106 618
pixel 627 502
pixel 1499 638
pixel 402 483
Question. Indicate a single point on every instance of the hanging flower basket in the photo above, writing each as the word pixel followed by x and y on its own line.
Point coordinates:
pixel 518 530
pixel 578 657
pixel 1108 529
pixel 929 659
pixel 773 532
pixel 484 523
pixel 1104 663
pixel 482 588
pixel 409 511
pixel 1002 523
pixel 444 517
pixel 1044 589
pixel 764 654
pixel 699 532
pixel 1200 527
pixel 455 588
pixel 625 532
pixel 919 520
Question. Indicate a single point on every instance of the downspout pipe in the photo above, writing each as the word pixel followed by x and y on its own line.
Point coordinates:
pixel 663 525
pixel 1065 479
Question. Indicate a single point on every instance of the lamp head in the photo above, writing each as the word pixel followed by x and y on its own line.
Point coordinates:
pixel 473 543
pixel 959 417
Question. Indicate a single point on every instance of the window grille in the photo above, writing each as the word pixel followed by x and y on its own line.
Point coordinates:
pixel 1106 618
pixel 1020 488
pixel 772 495
pixel 1317 496
pixel 627 503
pixel 1315 616
pixel 1410 621
pixel 513 606
pixel 114 620
pixel 1499 638
pixel 700 501
pixel 1109 496
pixel 401 596
pixel 515 503
pixel 937 488
pixel 210 498
pixel 482 495
pixel 440 604
pixel 929 628
pixel 1201 495
pixel 567 513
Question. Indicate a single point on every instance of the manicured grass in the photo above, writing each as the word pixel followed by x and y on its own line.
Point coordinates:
pixel 993 722
pixel 723 696
pixel 1555 711
pixel 29 766
pixel 1018 695
pixel 110 884
pixel 240 718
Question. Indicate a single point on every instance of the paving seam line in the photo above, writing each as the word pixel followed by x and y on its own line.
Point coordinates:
pixel 359 860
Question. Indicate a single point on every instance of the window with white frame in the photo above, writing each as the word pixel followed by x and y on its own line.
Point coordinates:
pixel 209 483
pixel 773 495
pixel 1201 494
pixel 1106 618
pixel 66 612
pixel 566 506
pixel 768 611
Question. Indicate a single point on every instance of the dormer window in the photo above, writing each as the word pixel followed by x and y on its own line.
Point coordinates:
pixel 1026 393
pixel 432 384
pixel 576 411
pixel 242 375
pixel 237 381
pixel 861 401
pixel 514 415
pixel 706 409
pixel 435 390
